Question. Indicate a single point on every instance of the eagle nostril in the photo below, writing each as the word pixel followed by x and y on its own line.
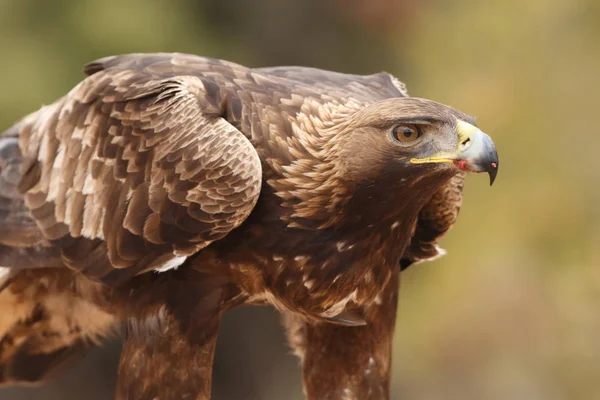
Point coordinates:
pixel 465 143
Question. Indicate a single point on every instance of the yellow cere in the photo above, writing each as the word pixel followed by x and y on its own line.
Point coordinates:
pixel 464 131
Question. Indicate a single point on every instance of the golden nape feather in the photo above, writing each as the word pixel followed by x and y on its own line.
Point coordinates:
pixel 165 189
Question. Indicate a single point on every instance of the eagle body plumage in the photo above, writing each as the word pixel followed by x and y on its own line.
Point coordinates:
pixel 167 188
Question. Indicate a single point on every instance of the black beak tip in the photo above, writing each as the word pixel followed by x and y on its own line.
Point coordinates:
pixel 492 170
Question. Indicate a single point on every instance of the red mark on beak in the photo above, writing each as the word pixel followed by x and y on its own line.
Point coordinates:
pixel 494 165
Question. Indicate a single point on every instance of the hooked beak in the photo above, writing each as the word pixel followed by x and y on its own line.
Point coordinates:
pixel 475 152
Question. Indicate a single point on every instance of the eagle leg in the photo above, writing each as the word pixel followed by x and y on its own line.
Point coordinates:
pixel 347 362
pixel 169 347
pixel 168 365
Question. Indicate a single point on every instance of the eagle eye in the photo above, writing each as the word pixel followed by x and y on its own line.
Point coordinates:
pixel 406 133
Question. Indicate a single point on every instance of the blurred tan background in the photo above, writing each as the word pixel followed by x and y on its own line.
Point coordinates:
pixel 512 311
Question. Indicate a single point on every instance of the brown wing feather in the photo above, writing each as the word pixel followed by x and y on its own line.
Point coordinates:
pixel 18 228
pixel 435 219
pixel 136 162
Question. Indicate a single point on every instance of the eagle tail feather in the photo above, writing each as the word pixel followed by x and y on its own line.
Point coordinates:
pixel 45 326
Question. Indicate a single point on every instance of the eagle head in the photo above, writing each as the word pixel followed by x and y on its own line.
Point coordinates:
pixel 407 139
pixel 387 157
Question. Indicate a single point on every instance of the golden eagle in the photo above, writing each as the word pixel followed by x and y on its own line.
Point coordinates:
pixel 165 189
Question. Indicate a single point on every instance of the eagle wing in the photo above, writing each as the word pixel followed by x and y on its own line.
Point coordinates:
pixel 136 168
pixel 435 219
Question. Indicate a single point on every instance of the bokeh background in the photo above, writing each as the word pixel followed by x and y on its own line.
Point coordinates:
pixel 512 311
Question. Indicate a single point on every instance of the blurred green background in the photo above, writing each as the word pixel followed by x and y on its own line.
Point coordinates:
pixel 512 311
